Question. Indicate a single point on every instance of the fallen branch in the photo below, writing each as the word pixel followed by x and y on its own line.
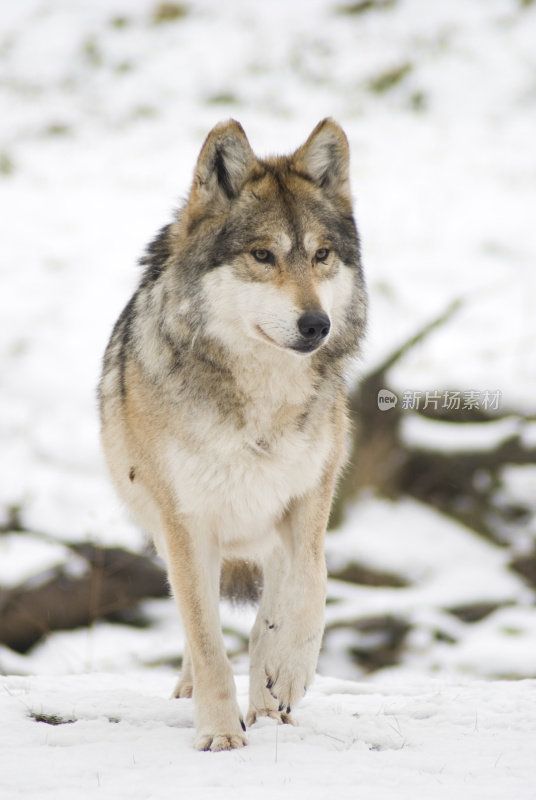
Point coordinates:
pixel 115 581
pixel 375 452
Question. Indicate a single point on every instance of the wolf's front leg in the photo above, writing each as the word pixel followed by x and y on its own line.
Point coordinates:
pixel 194 573
pixel 294 633
pixel 288 630
pixel 262 702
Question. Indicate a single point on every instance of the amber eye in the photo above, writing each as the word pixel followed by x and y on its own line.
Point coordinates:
pixel 263 256
pixel 322 254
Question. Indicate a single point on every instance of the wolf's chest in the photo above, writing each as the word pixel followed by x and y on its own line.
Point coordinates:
pixel 239 482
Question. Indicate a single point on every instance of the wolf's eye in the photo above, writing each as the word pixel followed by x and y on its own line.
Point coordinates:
pixel 263 256
pixel 322 254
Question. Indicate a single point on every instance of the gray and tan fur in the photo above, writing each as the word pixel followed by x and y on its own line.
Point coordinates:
pixel 223 408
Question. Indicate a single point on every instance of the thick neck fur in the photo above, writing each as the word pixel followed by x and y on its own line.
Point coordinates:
pixel 252 382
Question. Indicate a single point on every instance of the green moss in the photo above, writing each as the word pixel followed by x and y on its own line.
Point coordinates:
pixel 418 101
pixel 392 77
pixel 7 167
pixel 119 22
pixel 92 52
pixel 57 129
pixel 169 12
pixel 145 112
pixel 123 67
pixel 222 99
pixel 365 5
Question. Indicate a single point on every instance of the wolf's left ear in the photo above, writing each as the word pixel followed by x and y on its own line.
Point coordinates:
pixel 325 157
pixel 224 163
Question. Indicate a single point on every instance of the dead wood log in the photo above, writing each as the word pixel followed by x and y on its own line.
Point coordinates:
pixel 114 582
pixel 376 454
pixel 383 462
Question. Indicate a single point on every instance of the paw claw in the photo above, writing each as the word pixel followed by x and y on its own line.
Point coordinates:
pixel 286 719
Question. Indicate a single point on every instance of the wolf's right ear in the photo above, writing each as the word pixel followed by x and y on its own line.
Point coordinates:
pixel 224 163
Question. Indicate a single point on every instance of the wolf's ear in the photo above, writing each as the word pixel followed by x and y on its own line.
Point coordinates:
pixel 224 163
pixel 325 157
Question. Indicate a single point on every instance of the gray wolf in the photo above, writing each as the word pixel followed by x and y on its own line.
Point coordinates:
pixel 223 408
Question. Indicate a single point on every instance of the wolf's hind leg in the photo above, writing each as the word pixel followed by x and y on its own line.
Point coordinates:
pixel 185 684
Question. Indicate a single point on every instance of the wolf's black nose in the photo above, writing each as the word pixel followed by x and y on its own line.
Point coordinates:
pixel 314 325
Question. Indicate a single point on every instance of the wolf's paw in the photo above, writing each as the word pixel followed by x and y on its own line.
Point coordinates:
pixel 288 680
pixel 261 702
pixel 290 665
pixel 184 688
pixel 218 717
pixel 281 717
pixel 287 689
pixel 220 741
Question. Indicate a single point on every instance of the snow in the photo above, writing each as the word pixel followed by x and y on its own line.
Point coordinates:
pixel 120 737
pixel 420 432
pixel 408 538
pixel 21 559
pixel 104 111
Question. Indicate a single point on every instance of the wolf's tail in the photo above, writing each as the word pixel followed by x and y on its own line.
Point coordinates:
pixel 241 581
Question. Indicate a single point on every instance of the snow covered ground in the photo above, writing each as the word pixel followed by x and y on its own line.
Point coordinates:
pixel 104 106
pixel 114 736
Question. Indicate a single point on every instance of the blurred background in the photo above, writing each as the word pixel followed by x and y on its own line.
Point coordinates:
pixel 104 107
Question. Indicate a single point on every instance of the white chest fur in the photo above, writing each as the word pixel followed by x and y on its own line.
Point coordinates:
pixel 238 480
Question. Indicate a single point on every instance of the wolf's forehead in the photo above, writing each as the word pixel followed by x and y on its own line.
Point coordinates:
pixel 284 243
pixel 311 239
pixel 284 203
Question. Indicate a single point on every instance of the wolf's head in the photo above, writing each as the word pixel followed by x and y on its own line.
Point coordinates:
pixel 275 243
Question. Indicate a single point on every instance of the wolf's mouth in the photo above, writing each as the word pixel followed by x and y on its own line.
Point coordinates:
pixel 303 347
pixel 267 338
pixel 306 347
